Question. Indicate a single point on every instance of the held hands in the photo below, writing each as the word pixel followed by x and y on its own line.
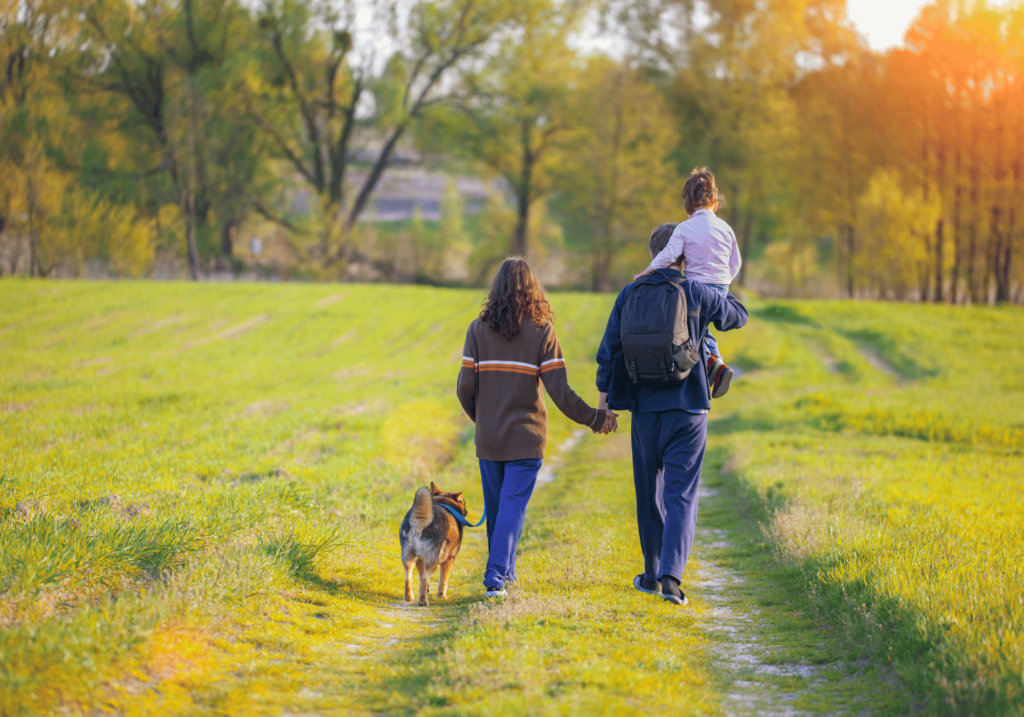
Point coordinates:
pixel 610 425
pixel 611 422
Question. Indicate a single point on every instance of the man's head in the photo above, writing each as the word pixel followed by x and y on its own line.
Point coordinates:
pixel 659 240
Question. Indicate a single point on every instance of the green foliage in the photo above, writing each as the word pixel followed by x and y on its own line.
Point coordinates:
pixel 847 172
pixel 895 226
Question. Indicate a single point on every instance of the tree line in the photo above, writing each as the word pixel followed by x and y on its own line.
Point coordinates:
pixel 137 129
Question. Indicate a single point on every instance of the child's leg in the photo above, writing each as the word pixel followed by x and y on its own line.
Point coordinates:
pixel 712 344
pixel 709 340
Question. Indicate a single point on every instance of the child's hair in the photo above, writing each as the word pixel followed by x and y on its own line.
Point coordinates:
pixel 659 238
pixel 515 294
pixel 700 190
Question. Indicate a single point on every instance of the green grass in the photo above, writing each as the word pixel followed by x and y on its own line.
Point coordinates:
pixel 200 488
pixel 897 493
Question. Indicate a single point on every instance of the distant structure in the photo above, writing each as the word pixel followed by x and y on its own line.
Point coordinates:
pixel 402 189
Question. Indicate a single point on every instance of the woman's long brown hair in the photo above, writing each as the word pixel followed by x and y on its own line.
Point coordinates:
pixel 515 294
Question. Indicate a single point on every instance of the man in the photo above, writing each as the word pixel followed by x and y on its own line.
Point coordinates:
pixel 669 430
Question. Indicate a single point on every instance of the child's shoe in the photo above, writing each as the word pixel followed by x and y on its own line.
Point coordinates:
pixel 719 376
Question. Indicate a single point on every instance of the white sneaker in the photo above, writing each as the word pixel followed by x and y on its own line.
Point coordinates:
pixel 496 592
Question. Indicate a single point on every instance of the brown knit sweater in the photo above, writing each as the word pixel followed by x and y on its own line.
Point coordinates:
pixel 499 386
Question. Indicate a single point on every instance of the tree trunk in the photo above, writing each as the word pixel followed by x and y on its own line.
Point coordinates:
pixel 924 194
pixel 371 180
pixel 1003 287
pixel 958 190
pixel 850 247
pixel 33 248
pixel 227 239
pixel 995 236
pixel 603 239
pixel 972 243
pixel 190 180
pixel 520 240
pixel 940 268
pixel 193 253
pixel 925 288
pixel 601 265
pixel 995 240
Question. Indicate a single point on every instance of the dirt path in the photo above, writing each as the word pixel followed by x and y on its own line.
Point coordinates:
pixel 770 657
pixel 762 655
pixel 774 658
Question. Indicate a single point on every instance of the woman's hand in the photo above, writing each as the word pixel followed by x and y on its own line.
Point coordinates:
pixel 611 423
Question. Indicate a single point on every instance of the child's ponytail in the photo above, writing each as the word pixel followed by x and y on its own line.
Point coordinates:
pixel 700 191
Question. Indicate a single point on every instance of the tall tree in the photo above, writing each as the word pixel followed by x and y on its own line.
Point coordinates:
pixel 321 77
pixel 516 115
pixel 615 175
pixel 171 61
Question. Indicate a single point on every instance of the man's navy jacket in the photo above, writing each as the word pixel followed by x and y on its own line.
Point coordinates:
pixel 690 394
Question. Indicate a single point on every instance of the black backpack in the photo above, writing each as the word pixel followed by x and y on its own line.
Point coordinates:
pixel 656 341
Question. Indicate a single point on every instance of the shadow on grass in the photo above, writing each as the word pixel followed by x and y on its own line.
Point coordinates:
pixel 782 314
pixel 737 423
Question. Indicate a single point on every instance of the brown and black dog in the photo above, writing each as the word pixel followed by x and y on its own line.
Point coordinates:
pixel 430 537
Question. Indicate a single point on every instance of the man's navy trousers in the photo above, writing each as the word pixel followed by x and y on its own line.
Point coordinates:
pixel 666 502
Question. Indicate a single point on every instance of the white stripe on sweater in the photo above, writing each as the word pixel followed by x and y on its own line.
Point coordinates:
pixel 507 363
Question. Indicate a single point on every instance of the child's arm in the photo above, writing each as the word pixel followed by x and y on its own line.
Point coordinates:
pixel 667 256
pixel 735 260
pixel 466 388
pixel 556 382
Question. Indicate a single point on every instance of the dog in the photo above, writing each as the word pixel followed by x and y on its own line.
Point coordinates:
pixel 431 537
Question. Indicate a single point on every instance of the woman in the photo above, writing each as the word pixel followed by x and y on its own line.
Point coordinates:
pixel 510 350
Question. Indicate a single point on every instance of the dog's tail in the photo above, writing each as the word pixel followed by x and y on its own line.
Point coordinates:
pixel 422 510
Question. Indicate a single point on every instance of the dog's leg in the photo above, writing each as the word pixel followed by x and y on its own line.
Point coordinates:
pixel 409 565
pixel 424 587
pixel 446 570
pixel 427 572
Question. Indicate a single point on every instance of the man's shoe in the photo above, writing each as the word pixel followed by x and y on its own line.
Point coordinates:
pixel 644 585
pixel 671 592
pixel 719 376
pixel 495 592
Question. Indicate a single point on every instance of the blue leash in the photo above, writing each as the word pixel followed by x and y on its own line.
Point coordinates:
pixel 458 517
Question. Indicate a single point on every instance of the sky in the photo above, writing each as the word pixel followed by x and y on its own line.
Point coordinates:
pixel 883 22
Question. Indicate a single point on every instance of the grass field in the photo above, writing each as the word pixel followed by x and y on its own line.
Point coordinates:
pixel 201 489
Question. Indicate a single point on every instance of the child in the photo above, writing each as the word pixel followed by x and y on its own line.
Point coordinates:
pixel 712 258
pixel 510 350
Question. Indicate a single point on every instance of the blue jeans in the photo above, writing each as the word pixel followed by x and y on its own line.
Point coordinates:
pixel 709 340
pixel 508 486
pixel 668 452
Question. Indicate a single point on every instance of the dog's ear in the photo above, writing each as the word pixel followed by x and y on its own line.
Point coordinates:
pixel 434 489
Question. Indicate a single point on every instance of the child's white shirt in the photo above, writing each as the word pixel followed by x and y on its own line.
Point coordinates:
pixel 709 246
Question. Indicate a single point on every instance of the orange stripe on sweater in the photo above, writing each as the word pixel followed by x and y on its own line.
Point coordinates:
pixel 508 369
